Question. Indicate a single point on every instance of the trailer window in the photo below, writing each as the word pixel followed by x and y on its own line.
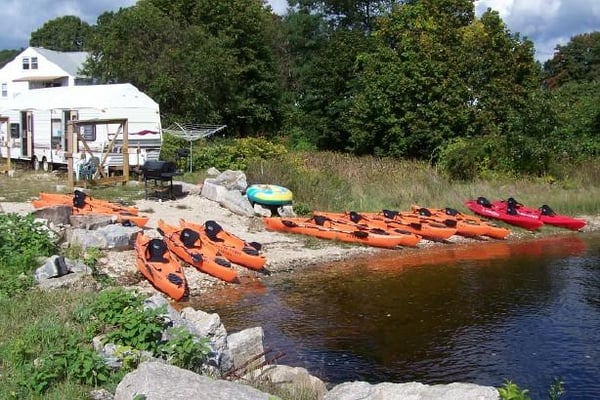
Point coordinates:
pixel 25 62
pixel 14 131
pixel 4 90
pixel 34 63
pixel 88 132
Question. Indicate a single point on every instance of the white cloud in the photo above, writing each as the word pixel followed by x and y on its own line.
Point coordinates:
pixel 547 23
pixel 20 18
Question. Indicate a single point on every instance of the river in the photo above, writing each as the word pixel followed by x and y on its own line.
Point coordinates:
pixel 526 310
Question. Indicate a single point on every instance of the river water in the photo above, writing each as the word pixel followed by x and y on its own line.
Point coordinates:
pixel 528 311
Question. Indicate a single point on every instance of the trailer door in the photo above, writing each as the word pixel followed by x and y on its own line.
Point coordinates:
pixel 27 134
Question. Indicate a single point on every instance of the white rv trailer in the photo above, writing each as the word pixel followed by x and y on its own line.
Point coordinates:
pixel 34 126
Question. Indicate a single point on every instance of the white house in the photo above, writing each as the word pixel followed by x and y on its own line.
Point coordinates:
pixel 37 68
pixel 43 90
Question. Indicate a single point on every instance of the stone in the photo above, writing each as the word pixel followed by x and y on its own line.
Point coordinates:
pixel 158 381
pixel 58 215
pixel 410 391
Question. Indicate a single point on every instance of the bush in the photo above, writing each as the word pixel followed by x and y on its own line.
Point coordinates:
pixel 22 242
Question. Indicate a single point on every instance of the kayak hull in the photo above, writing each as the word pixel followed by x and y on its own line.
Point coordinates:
pixel 201 256
pixel 559 220
pixel 160 267
pixel 502 215
pixel 234 248
pixel 345 232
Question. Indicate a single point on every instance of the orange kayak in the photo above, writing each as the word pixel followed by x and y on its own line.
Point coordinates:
pixel 78 195
pixel 121 216
pixel 468 225
pixel 325 228
pixel 156 262
pixel 234 248
pixel 188 246
pixel 393 220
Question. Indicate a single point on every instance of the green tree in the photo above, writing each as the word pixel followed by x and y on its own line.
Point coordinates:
pixel 411 97
pixel 203 61
pixel 348 14
pixel 7 56
pixel 67 33
pixel 577 61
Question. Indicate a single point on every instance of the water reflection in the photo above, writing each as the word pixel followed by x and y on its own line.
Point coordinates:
pixel 483 312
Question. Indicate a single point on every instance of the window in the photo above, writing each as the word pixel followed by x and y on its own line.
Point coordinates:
pixel 25 62
pixel 88 132
pixel 4 90
pixel 34 63
pixel 14 131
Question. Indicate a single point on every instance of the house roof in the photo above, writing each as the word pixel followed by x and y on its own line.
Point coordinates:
pixel 71 62
pixel 123 95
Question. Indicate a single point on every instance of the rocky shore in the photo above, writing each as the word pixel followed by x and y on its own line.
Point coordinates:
pixel 284 253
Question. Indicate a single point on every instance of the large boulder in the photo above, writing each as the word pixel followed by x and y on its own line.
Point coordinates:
pixel 158 381
pixel 411 390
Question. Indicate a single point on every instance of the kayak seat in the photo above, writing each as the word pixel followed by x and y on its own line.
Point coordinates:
pixel 189 237
pixel 355 217
pixel 79 199
pixel 424 212
pixel 157 249
pixel 453 212
pixel 212 229
pixel 319 219
pixel 482 201
pixel 547 211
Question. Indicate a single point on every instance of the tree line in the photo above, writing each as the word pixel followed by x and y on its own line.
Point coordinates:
pixel 413 79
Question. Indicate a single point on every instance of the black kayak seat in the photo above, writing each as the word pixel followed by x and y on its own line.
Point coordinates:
pixel 482 201
pixel 189 237
pixel 156 250
pixel 212 229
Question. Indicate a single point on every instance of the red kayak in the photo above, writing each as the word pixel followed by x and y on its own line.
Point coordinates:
pixel 483 207
pixel 544 214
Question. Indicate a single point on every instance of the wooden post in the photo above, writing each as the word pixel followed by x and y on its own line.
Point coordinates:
pixel 126 150
pixel 69 155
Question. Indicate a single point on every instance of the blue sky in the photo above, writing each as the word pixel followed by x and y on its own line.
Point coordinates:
pixel 546 22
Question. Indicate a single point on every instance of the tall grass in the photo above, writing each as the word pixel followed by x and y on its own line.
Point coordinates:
pixel 338 182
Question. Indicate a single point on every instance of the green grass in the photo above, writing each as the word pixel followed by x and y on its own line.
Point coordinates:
pixel 338 182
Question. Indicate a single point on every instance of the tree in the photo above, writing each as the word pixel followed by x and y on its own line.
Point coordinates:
pixel 68 33
pixel 348 14
pixel 204 61
pixel 7 56
pixel 410 95
pixel 577 61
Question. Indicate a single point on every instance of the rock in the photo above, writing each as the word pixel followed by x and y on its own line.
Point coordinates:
pixel 57 215
pixel 157 381
pixel 246 348
pixel 293 379
pixel 234 201
pixel 212 190
pixel 58 266
pixel 232 180
pixel 110 237
pixel 411 391
pixel 91 221
pixel 263 211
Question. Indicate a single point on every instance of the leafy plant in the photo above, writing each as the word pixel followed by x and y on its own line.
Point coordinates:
pixel 184 350
pixel 511 391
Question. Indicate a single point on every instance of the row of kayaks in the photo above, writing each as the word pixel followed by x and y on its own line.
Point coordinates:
pixel 513 212
pixel 82 204
pixel 388 228
pixel 207 247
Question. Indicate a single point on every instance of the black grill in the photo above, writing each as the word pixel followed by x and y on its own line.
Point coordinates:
pixel 158 178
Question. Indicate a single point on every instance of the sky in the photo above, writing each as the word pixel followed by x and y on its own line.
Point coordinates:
pixel 547 23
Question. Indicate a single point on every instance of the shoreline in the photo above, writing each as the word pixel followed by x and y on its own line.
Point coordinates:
pixel 285 252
